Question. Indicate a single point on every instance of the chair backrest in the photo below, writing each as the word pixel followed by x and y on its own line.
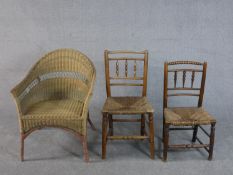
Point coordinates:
pixel 127 78
pixel 184 69
pixel 60 74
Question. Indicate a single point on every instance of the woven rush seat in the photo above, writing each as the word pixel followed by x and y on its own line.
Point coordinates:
pixel 187 116
pixel 127 105
pixel 65 113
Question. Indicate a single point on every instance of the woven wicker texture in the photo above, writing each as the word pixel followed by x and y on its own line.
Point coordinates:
pixel 127 105
pixel 187 116
pixel 56 92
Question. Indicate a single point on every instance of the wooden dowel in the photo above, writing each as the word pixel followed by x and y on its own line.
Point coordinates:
pixel 181 128
pixel 145 73
pixel 125 52
pixel 117 69
pixel 126 78
pixel 126 120
pixel 188 146
pixel 125 58
pixel 127 137
pixel 192 79
pixel 107 73
pixel 204 131
pixel 202 144
pixel 183 94
pixel 202 85
pixel 175 78
pixel 184 89
pixel 187 70
pixel 125 84
pixel 135 69
pixel 184 77
pixel 184 62
pixel 126 68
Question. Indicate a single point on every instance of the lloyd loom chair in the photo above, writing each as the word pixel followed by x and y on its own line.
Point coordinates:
pixel 186 118
pixel 126 105
pixel 56 93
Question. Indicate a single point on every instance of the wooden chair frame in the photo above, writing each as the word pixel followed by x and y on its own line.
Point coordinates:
pixel 108 119
pixel 166 127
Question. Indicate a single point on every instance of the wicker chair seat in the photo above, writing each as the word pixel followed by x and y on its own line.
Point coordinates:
pixel 187 116
pixel 62 113
pixel 127 105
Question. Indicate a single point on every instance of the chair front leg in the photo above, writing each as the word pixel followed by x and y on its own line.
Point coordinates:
pixel 22 137
pixel 85 149
pixel 151 128
pixel 212 135
pixel 165 141
pixel 104 134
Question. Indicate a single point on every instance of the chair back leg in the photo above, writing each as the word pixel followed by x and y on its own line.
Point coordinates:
pixel 165 141
pixel 142 125
pixel 110 125
pixel 212 135
pixel 151 139
pixel 104 135
pixel 195 129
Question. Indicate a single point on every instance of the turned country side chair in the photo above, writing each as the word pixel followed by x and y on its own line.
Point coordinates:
pixel 186 118
pixel 56 93
pixel 126 105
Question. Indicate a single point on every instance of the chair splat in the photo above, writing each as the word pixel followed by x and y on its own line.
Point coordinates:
pixel 192 79
pixel 184 77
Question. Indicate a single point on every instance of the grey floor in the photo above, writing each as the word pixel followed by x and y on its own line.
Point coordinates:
pixel 53 151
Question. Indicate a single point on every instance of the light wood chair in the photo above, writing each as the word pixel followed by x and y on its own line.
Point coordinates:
pixel 125 105
pixel 186 118
pixel 56 93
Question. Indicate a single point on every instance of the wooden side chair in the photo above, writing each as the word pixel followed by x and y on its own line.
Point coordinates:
pixel 186 118
pixel 126 105
pixel 56 93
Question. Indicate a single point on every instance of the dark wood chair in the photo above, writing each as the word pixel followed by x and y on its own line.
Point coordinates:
pixel 126 105
pixel 186 118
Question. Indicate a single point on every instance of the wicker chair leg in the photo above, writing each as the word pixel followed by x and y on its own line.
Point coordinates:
pixel 85 150
pixel 212 135
pixel 165 141
pixel 110 125
pixel 151 127
pixel 90 122
pixel 195 133
pixel 142 125
pixel 104 135
pixel 22 147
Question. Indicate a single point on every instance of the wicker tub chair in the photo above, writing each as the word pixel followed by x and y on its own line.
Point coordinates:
pixel 56 93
